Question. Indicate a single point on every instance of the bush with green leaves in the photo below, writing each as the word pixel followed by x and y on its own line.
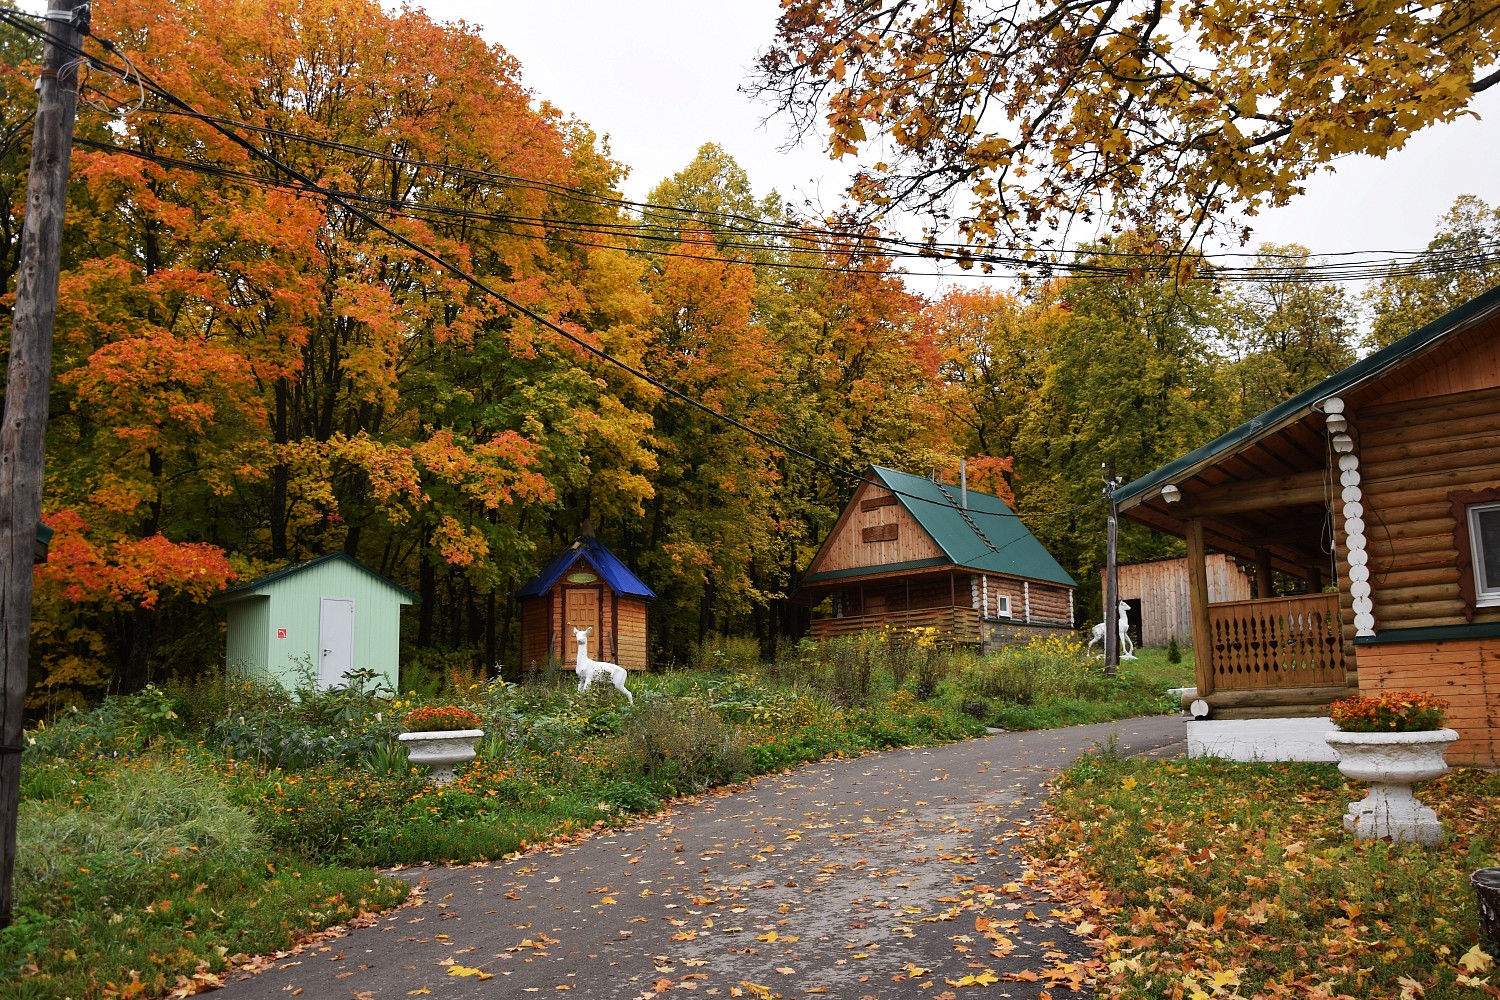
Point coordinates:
pixel 682 747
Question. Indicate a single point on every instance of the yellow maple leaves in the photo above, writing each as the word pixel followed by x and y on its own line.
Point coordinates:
pixel 985 978
pixel 465 970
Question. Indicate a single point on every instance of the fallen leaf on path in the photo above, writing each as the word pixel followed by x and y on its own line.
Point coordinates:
pixel 467 970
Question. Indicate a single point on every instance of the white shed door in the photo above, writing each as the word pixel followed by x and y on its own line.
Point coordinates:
pixel 335 640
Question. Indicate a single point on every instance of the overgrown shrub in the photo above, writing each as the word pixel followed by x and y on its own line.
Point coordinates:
pixel 1048 668
pixel 150 807
pixel 327 812
pixel 682 748
pixel 727 654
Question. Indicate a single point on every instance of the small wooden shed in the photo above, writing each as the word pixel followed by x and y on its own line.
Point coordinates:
pixel 325 617
pixel 1160 598
pixel 585 585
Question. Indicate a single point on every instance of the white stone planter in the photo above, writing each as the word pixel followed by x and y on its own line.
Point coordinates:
pixel 1391 763
pixel 441 750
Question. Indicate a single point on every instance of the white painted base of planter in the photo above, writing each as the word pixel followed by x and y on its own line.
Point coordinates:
pixel 1391 763
pixel 441 750
pixel 1393 811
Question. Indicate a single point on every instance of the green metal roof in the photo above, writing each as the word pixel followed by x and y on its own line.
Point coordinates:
pixel 249 589
pixel 1383 360
pixel 986 536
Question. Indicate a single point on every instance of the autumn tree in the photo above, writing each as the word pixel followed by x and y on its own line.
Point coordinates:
pixel 256 373
pixel 1014 120
pixel 1285 333
pixel 1131 375
pixel 1460 262
pixel 995 349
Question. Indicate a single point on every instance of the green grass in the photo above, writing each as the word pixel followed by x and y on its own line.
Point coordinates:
pixel 1212 878
pixel 1013 690
pixel 165 832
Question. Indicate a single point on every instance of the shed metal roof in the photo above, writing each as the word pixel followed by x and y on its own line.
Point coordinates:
pixel 1474 311
pixel 250 589
pixel 986 535
pixel 608 565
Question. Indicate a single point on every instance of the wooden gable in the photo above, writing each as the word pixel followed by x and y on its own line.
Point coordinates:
pixel 874 530
pixel 1464 364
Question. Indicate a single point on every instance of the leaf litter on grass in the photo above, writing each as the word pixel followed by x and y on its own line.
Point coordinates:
pixel 1216 880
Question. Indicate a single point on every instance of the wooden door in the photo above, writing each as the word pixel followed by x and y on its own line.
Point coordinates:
pixel 581 610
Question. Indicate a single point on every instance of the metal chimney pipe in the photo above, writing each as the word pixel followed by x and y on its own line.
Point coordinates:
pixel 963 481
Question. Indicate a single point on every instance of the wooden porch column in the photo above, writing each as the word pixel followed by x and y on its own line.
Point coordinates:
pixel 1315 580
pixel 1265 584
pixel 1197 569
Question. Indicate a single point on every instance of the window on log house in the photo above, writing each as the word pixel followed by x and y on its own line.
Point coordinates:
pixel 1484 547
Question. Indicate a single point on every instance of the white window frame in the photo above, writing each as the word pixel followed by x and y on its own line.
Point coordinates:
pixel 1002 606
pixel 1484 597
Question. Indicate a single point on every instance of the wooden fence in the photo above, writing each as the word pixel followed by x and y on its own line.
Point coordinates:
pixel 1282 642
pixel 953 624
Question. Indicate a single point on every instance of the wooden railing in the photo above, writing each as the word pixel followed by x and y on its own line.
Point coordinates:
pixel 955 624
pixel 1280 642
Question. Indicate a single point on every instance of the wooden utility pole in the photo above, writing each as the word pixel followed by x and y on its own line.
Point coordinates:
pixel 1111 575
pixel 27 387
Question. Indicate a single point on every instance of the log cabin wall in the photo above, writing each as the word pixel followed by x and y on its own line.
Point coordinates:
pixel 536 630
pixel 633 654
pixel 1433 433
pixel 875 597
pixel 1412 455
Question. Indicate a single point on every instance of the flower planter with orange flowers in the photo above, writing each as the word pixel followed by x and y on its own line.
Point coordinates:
pixel 1391 740
pixel 441 739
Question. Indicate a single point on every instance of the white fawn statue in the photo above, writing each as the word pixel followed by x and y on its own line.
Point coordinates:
pixel 1127 648
pixel 590 670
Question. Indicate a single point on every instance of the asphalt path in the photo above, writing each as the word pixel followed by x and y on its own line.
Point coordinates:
pixel 888 875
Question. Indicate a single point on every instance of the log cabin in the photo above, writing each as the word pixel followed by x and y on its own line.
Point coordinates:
pixel 585 586
pixel 1378 492
pixel 910 552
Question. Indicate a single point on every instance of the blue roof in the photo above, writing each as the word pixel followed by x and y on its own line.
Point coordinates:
pixel 603 561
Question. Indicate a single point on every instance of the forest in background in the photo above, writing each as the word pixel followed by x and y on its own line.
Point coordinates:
pixel 247 374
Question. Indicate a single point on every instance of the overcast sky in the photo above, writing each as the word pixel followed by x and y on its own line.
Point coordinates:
pixel 662 77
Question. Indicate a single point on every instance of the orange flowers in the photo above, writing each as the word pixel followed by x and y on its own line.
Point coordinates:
pixel 1389 712
pixel 430 720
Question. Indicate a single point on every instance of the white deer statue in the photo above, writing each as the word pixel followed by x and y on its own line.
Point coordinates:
pixel 590 670
pixel 1127 648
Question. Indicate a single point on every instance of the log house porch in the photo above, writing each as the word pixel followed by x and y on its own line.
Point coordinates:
pixel 1369 480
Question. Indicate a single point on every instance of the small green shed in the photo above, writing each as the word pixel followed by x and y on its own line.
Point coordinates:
pixel 320 619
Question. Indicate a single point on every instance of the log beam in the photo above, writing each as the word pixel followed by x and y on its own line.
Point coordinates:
pixel 1259 494
pixel 1197 569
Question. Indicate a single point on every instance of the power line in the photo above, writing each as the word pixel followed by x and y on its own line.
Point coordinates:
pixel 1363 265
pixel 825 244
pixel 434 257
